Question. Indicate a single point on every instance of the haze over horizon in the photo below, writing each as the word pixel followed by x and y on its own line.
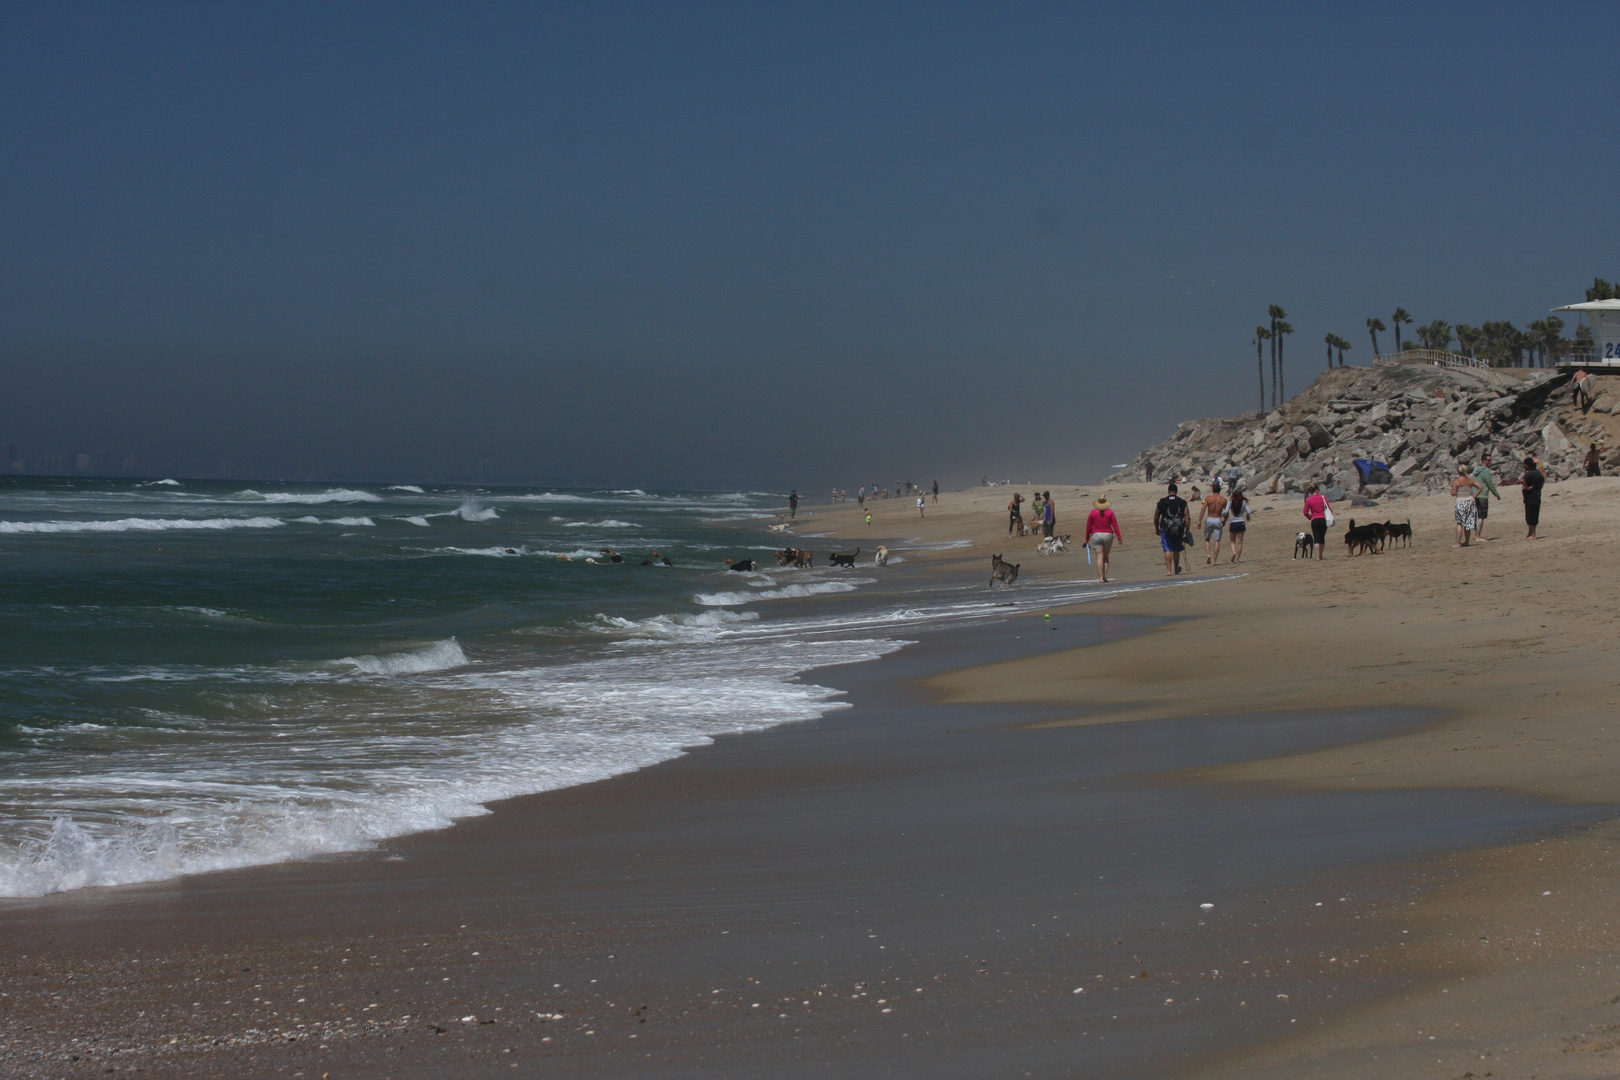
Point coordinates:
pixel 718 245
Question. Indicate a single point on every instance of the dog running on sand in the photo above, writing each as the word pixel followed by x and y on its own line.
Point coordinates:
pixel 1003 571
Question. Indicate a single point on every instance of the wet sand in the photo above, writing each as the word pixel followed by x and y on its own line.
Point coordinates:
pixel 973 841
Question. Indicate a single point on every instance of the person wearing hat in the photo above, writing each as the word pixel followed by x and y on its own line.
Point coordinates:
pixel 1102 529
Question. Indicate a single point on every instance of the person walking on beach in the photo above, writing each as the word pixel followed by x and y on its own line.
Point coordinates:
pixel 1487 487
pixel 1316 512
pixel 1594 465
pixel 1048 515
pixel 1015 515
pixel 860 496
pixel 793 503
pixel 1170 522
pixel 1237 521
pixel 922 501
pixel 1102 532
pixel 1467 510
pixel 936 492
pixel 1211 517
pixel 1534 480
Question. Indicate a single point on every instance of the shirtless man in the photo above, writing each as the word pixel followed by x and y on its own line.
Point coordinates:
pixel 1211 517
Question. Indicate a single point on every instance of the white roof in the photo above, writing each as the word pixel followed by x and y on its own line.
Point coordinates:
pixel 1592 305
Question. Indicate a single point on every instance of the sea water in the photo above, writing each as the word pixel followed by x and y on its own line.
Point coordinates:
pixel 197 675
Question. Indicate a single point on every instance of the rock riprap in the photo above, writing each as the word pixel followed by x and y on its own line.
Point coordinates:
pixel 1417 419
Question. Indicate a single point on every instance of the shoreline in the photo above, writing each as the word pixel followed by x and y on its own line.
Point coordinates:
pixel 316 907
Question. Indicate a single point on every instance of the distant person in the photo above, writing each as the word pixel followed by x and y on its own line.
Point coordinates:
pixel 1015 515
pixel 1237 521
pixel 1048 515
pixel 868 519
pixel 1487 488
pixel 1211 519
pixel 1316 512
pixel 1233 476
pixel 860 496
pixel 1594 465
pixel 1466 513
pixel 1581 390
pixel 936 492
pixel 1102 531
pixel 1037 507
pixel 793 503
pixel 922 503
pixel 1533 481
pixel 1170 522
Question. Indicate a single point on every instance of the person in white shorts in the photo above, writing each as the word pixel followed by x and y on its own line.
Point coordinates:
pixel 1102 529
pixel 1212 516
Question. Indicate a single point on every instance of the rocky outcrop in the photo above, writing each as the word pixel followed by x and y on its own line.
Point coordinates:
pixel 1419 420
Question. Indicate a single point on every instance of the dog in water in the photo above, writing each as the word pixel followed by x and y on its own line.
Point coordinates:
pixel 1304 545
pixel 1053 545
pixel 1403 533
pixel 882 557
pixel 846 561
pixel 743 566
pixel 1003 571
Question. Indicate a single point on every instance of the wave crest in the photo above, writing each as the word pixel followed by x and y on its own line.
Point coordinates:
pixel 434 656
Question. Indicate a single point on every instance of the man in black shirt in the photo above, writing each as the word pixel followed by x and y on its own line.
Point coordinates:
pixel 1533 482
pixel 1170 522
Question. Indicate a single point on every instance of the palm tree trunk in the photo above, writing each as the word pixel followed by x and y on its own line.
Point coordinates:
pixel 1330 356
pixel 1374 335
pixel 1282 385
pixel 1260 364
pixel 1273 363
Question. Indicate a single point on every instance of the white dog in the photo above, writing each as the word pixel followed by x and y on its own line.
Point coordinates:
pixel 1052 545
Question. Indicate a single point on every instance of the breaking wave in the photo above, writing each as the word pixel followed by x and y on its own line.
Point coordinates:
pixel 310 498
pixel 138 525
pixel 434 656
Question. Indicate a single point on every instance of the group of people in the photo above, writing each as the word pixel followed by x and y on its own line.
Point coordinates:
pixel 1042 510
pixel 1473 489
pixel 875 492
pixel 1217 514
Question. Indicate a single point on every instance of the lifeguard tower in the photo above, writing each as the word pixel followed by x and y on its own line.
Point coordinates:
pixel 1603 316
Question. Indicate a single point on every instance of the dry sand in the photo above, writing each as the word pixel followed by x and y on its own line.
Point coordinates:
pixel 1511 640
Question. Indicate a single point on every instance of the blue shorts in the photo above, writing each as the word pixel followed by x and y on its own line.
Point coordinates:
pixel 1171 543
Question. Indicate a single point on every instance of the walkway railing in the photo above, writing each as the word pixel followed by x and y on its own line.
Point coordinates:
pixel 1433 357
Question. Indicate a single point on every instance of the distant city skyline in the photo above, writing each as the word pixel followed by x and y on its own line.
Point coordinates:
pixel 741 246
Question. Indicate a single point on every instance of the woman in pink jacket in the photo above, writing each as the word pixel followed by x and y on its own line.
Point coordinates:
pixel 1316 511
pixel 1102 529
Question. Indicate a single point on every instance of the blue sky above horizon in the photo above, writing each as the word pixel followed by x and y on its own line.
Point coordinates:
pixel 757 244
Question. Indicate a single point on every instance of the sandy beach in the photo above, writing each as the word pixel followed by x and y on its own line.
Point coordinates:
pixel 905 886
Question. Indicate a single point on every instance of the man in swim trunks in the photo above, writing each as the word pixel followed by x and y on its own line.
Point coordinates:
pixel 1211 517
pixel 1170 522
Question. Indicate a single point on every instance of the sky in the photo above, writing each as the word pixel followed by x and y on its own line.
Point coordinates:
pixel 756 245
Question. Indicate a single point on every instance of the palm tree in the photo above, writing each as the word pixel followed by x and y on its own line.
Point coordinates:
pixel 1553 345
pixel 1330 339
pixel 1341 344
pixel 1261 336
pixel 1373 328
pixel 1535 334
pixel 1277 315
pixel 1436 336
pixel 1468 338
pixel 1282 386
pixel 1401 316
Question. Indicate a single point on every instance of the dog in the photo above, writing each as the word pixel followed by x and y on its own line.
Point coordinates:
pixel 1304 546
pixel 786 556
pixel 1402 533
pixel 803 559
pixel 743 566
pixel 882 557
pixel 1053 545
pixel 1003 571
pixel 784 527
pixel 846 561
pixel 1360 539
pixel 1381 532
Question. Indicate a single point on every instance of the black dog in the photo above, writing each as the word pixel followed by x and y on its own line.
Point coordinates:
pixel 1360 539
pixel 1381 531
pixel 1304 546
pixel 1402 533
pixel 846 561
pixel 743 566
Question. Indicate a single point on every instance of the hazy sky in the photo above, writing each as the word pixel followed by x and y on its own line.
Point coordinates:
pixel 758 244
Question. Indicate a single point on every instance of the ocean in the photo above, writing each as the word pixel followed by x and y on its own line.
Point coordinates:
pixel 203 675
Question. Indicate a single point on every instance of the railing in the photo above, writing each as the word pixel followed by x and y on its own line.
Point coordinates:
pixel 1433 357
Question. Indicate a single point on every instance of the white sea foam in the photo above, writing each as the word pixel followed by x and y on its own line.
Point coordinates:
pixel 310 498
pixel 610 523
pixel 786 592
pixel 472 510
pixel 138 525
pixel 412 488
pixel 489 552
pixel 418 519
pixel 161 483
pixel 434 656
pixel 311 519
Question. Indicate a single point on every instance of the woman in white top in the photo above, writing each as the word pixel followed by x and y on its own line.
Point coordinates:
pixel 1237 521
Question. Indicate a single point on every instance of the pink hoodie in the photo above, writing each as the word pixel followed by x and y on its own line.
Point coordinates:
pixel 1102 521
